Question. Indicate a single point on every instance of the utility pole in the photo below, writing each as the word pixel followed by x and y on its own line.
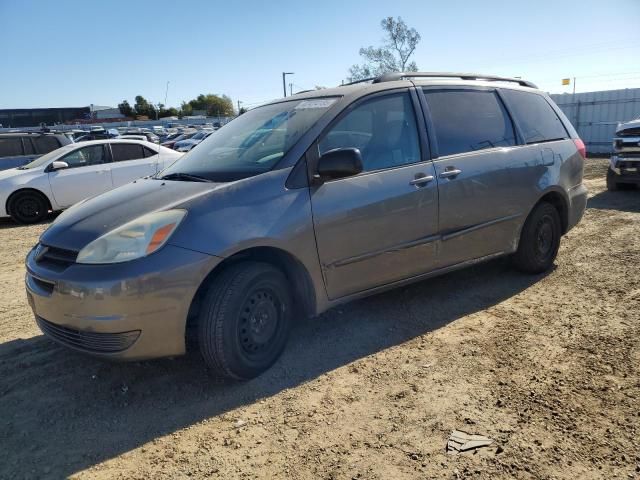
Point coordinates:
pixel 166 92
pixel 239 102
pixel 284 81
pixel 291 89
pixel 574 86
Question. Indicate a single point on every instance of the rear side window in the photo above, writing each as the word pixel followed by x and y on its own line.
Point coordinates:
pixel 535 117
pixel 126 151
pixel 46 144
pixel 148 152
pixel 10 147
pixel 468 120
pixel 383 129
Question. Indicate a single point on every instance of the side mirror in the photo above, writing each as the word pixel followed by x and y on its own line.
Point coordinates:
pixel 339 163
pixel 58 165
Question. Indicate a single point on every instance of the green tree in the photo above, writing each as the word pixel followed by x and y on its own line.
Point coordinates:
pixel 126 109
pixel 143 107
pixel 392 56
pixel 214 105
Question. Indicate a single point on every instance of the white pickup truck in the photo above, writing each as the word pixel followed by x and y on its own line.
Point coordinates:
pixel 624 168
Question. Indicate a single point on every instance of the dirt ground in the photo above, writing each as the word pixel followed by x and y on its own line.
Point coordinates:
pixel 548 366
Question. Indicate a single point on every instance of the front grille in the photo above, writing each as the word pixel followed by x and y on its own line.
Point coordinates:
pixel 91 342
pixel 55 258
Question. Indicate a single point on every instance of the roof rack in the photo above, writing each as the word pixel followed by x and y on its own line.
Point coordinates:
pixel 393 76
pixel 390 77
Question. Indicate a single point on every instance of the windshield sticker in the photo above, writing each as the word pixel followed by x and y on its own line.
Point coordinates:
pixel 318 103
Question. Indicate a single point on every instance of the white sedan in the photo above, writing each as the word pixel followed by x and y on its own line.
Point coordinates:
pixel 65 176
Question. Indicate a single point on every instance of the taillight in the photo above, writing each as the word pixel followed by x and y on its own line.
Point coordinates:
pixel 582 150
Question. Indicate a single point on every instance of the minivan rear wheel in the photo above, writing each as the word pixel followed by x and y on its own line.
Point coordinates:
pixel 28 207
pixel 245 320
pixel 539 240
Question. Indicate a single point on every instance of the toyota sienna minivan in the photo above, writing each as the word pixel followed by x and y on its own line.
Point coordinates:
pixel 304 203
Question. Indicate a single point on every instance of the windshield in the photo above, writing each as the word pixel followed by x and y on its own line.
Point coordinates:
pixel 46 158
pixel 201 134
pixel 252 143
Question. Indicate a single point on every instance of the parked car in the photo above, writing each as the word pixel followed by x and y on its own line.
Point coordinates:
pixel 188 143
pixel 20 148
pixel 150 136
pixel 98 134
pixel 183 136
pixel 624 168
pixel 133 137
pixel 305 203
pixel 65 176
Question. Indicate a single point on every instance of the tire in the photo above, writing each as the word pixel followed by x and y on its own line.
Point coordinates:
pixel 245 320
pixel 612 185
pixel 539 240
pixel 28 207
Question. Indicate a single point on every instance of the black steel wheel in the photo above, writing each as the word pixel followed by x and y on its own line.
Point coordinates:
pixel 539 239
pixel 245 319
pixel 28 207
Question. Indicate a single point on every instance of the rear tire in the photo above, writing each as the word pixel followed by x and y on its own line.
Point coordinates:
pixel 245 320
pixel 539 240
pixel 28 207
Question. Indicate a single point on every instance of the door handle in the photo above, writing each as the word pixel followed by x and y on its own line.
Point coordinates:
pixel 454 172
pixel 421 180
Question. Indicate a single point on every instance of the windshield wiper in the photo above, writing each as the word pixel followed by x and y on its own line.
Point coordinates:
pixel 185 176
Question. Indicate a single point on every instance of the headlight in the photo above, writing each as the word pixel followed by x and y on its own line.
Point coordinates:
pixel 135 239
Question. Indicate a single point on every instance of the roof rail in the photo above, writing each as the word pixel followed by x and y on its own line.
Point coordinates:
pixel 390 77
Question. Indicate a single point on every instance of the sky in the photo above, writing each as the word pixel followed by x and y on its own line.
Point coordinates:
pixel 71 53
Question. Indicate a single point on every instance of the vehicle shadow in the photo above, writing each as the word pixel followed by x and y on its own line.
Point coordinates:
pixel 622 200
pixel 63 412
pixel 6 223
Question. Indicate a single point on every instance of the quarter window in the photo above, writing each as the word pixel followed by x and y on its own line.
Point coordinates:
pixel 28 146
pixel 148 152
pixel 126 151
pixel 535 117
pixel 10 147
pixel 468 120
pixel 383 129
pixel 46 144
pixel 83 157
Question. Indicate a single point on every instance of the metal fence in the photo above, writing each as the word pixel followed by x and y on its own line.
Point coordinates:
pixel 595 115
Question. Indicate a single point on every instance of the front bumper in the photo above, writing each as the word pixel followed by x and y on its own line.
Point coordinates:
pixel 130 311
pixel 626 168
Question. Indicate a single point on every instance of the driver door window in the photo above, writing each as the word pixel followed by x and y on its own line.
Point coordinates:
pixel 383 129
pixel 93 155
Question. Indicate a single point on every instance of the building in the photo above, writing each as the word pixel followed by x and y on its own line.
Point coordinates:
pixel 32 117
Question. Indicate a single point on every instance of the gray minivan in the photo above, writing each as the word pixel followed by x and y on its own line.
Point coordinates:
pixel 305 203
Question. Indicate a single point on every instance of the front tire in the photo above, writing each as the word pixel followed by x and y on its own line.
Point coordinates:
pixel 245 320
pixel 612 185
pixel 28 207
pixel 539 240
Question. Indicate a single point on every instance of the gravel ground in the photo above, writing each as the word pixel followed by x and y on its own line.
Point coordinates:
pixel 548 366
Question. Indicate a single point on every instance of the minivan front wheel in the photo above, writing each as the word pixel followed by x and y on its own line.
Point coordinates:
pixel 539 240
pixel 245 320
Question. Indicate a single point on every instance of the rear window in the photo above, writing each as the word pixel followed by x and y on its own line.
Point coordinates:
pixel 10 147
pixel 535 117
pixel 28 146
pixel 46 144
pixel 126 151
pixel 468 120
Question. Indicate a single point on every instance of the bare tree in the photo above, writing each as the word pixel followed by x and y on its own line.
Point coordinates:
pixel 393 56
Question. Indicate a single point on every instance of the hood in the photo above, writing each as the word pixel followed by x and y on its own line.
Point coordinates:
pixel 15 175
pixel 633 125
pixel 94 217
